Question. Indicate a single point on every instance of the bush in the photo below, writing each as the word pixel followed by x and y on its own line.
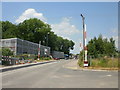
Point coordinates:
pixel 5 63
pixel 26 56
pixel 80 63
pixel 43 58
pixel 47 58
pixel 81 56
pixel 6 52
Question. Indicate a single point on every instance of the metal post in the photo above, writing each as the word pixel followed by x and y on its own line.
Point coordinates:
pixel 83 34
pixel 39 50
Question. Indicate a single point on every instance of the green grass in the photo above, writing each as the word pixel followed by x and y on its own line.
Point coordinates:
pixel 45 58
pixel 80 63
pixel 105 62
pixel 102 63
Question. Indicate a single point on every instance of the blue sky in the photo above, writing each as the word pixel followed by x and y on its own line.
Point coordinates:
pixel 65 19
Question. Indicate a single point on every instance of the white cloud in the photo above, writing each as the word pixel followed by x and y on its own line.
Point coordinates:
pixel 65 28
pixel 30 13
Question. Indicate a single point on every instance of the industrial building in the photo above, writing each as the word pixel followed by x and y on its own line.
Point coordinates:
pixel 58 54
pixel 19 46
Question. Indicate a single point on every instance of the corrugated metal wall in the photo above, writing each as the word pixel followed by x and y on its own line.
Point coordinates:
pixel 20 46
pixel 57 54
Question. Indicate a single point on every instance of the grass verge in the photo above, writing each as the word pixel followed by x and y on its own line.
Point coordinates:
pixel 101 63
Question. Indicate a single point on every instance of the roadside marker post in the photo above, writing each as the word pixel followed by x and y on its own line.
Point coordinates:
pixel 39 50
pixel 85 49
pixel 84 43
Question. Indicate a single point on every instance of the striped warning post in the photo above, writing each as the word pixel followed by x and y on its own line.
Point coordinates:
pixel 85 49
pixel 39 50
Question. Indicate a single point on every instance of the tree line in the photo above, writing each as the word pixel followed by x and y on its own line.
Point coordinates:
pixel 101 47
pixel 35 30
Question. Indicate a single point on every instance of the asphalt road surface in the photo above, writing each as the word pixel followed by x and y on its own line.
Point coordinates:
pixel 56 75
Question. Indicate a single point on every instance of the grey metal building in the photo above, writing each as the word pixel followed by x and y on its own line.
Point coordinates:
pixel 19 46
pixel 58 54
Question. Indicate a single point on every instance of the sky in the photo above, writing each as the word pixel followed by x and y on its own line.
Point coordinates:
pixel 65 19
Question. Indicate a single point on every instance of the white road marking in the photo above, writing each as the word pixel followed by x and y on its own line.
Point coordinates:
pixel 109 75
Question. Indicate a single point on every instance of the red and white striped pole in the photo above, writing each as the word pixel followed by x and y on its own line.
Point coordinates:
pixel 39 50
pixel 85 49
pixel 84 43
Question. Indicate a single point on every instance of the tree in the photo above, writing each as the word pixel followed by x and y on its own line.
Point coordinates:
pixel 8 30
pixel 35 30
pixel 99 47
pixel 67 45
pixel 52 41
pixel 92 48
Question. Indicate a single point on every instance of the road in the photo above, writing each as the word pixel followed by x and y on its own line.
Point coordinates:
pixel 57 75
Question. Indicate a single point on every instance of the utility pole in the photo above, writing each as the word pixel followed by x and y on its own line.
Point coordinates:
pixel 84 43
pixel 39 50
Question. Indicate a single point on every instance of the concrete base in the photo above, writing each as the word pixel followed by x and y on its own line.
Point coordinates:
pixel 85 65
